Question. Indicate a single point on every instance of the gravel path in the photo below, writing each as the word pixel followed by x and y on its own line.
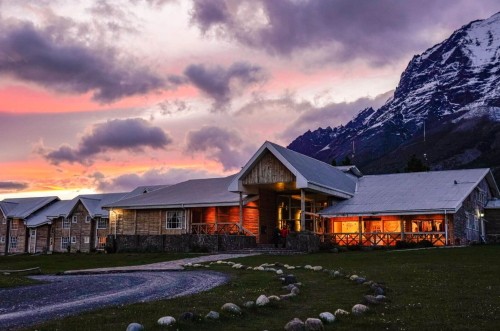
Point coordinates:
pixel 72 294
pixel 160 266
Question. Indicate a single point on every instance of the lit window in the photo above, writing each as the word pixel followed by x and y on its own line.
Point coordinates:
pixel 102 223
pixel 175 219
pixel 86 240
pixel 66 224
pixel 102 242
pixel 75 219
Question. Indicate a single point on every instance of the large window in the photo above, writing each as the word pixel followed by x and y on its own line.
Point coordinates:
pixel 66 223
pixel 13 242
pixel 102 223
pixel 64 242
pixel 175 219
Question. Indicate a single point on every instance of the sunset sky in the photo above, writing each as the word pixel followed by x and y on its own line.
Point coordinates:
pixel 104 96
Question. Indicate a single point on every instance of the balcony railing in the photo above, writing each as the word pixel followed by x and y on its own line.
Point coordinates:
pixel 229 228
pixel 382 238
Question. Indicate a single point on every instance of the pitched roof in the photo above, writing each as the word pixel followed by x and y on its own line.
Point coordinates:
pixel 94 202
pixel 46 215
pixel 310 173
pixel 24 207
pixel 191 193
pixel 411 193
pixel 143 189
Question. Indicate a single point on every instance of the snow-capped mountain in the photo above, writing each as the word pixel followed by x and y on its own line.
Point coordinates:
pixel 452 89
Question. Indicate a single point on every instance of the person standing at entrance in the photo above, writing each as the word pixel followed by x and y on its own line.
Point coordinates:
pixel 276 237
pixel 284 233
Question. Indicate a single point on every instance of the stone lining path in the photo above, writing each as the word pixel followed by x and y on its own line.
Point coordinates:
pixel 159 266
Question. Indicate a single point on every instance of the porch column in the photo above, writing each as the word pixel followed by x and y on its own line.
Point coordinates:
pixel 360 229
pixel 302 210
pixel 402 226
pixel 445 229
pixel 241 210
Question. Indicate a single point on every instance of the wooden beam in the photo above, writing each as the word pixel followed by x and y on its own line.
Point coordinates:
pixel 302 209
pixel 241 210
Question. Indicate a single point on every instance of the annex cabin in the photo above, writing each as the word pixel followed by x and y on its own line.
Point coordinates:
pixel 201 206
pixel 442 207
pixel 15 237
pixel 80 224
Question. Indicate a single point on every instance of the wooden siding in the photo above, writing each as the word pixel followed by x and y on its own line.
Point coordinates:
pixel 493 218
pixel 268 170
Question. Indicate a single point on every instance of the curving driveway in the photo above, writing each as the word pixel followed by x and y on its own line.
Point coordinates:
pixel 71 294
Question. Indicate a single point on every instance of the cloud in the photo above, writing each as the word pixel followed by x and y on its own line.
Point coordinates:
pixel 12 186
pixel 376 31
pixel 220 83
pixel 221 145
pixel 128 182
pixel 37 56
pixel 332 114
pixel 131 134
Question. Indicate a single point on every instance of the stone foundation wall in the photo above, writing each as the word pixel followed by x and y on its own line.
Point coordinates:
pixel 178 243
pixel 303 242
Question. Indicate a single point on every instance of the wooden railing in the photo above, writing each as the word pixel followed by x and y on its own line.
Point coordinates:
pixel 382 238
pixel 230 228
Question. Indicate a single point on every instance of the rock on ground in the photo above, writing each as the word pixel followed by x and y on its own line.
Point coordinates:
pixel 295 325
pixel 212 315
pixel 249 304
pixel 231 308
pixel 135 327
pixel 314 324
pixel 327 317
pixel 261 301
pixel 166 321
pixel 340 312
pixel 359 309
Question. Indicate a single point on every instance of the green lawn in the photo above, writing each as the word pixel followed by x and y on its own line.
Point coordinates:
pixel 436 289
pixel 55 263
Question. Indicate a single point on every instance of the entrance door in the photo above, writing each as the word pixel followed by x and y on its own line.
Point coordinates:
pixel 32 240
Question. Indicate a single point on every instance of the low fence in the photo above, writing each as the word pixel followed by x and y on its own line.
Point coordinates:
pixel 382 238
pixel 181 243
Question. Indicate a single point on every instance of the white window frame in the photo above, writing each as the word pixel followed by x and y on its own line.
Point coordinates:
pixel 65 242
pixel 13 242
pixel 87 219
pixel 2 239
pixel 174 219
pixel 74 219
pixel 86 239
pixel 102 221
pixel 66 223
pixel 4 220
pixel 73 239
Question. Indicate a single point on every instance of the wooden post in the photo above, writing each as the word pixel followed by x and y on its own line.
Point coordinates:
pixel 445 229
pixel 135 221
pixel 402 226
pixel 302 209
pixel 360 230
pixel 241 211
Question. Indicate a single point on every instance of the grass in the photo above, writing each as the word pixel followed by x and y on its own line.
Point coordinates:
pixel 438 289
pixel 55 263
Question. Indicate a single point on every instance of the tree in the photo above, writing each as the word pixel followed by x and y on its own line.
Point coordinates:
pixel 415 165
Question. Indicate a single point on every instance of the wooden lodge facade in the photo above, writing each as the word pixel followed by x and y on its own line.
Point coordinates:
pixel 276 187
